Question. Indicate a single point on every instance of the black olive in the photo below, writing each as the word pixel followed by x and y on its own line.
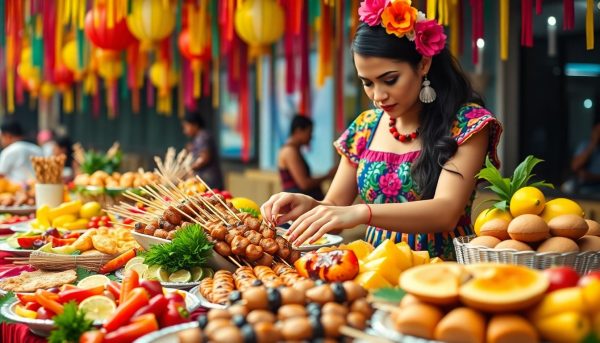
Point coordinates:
pixel 248 333
pixel 257 283
pixel 238 320
pixel 235 296
pixel 38 243
pixel 339 293
pixel 314 309
pixel 202 321
pixel 274 299
pixel 317 327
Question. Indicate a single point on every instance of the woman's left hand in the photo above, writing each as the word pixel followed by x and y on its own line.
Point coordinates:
pixel 313 224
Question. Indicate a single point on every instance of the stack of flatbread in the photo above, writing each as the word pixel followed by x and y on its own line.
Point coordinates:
pixel 32 281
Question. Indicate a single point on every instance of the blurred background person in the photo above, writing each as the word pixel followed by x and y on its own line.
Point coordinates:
pixel 204 150
pixel 46 142
pixel 586 165
pixel 64 146
pixel 15 163
pixel 294 171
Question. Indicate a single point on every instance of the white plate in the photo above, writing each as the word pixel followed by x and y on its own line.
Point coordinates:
pixel 203 301
pixel 120 274
pixel 42 327
pixel 21 227
pixel 216 261
pixel 16 225
pixel 331 240
pixel 18 252
pixel 166 335
pixel 18 210
pixel 381 324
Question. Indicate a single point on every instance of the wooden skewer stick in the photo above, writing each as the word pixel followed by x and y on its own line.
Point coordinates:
pixel 186 204
pixel 218 199
pixel 128 215
pixel 354 333
pixel 157 196
pixel 234 261
pixel 168 193
pixel 185 197
pixel 143 200
pixel 283 261
pixel 209 206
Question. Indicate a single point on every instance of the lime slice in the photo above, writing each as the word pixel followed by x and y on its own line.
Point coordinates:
pixel 197 274
pixel 93 281
pixel 163 274
pixel 135 260
pixel 181 275
pixel 208 272
pixel 140 268
pixel 98 307
pixel 152 272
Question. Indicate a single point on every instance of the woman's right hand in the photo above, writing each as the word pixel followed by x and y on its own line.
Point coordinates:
pixel 283 207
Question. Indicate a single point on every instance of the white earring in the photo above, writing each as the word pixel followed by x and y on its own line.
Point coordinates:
pixel 427 94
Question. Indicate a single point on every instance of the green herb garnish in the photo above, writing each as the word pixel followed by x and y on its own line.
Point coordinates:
pixel 253 212
pixel 505 187
pixel 388 294
pixel 5 299
pixel 189 248
pixel 70 325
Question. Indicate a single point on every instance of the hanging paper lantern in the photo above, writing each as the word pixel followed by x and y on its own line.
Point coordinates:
pixel 110 71
pixel 63 77
pixel 69 56
pixel 116 37
pixel 187 50
pixel 163 77
pixel 29 74
pixel 259 23
pixel 151 21
pixel 46 90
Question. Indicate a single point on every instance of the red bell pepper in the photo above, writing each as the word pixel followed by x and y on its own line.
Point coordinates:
pixel 157 305
pixel 137 298
pixel 131 281
pixel 49 303
pixel 175 314
pixel 59 242
pixel 115 289
pixel 95 336
pixel 25 298
pixel 42 313
pixel 32 306
pixel 79 294
pixel 73 235
pixel 152 286
pixel 27 241
pixel 117 262
pixel 129 333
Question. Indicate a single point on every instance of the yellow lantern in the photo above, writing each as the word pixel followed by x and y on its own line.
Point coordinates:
pixel 162 76
pixel 259 23
pixel 110 71
pixel 151 21
pixel 47 90
pixel 69 56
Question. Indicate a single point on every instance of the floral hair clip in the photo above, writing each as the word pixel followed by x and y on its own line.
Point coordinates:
pixel 401 19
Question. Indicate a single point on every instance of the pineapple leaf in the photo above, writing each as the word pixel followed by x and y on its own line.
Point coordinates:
pixel 522 173
pixel 542 184
pixel 483 203
pixel 491 174
pixel 502 205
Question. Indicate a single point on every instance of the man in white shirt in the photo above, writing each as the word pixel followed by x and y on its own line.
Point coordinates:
pixel 15 158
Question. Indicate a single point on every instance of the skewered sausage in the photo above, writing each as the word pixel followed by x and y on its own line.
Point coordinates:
pixel 149 230
pixel 239 245
pixel 219 232
pixel 253 252
pixel 160 233
pixel 222 248
pixel 269 245
pixel 265 260
pixel 172 216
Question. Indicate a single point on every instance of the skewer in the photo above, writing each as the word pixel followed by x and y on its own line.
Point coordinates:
pixel 144 201
pixel 183 195
pixel 234 262
pixel 127 213
pixel 218 199
pixel 354 333
pixel 165 191
pixel 157 196
pixel 283 261
pixel 186 204
pixel 209 206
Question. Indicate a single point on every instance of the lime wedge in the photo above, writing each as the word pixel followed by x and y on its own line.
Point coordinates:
pixel 152 272
pixel 208 272
pixel 181 275
pixel 197 274
pixel 162 274
pixel 140 268
pixel 135 260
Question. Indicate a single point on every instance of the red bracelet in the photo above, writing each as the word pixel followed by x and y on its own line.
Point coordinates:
pixel 370 214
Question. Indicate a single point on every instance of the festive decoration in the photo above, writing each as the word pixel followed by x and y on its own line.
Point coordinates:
pixel 259 23
pixel 151 21
pixel 104 34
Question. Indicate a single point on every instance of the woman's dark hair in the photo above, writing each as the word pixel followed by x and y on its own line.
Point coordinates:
pixel 300 123
pixel 453 91
pixel 194 118
pixel 12 127
pixel 65 143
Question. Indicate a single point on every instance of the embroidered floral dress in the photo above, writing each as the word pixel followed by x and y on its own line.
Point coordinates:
pixel 385 177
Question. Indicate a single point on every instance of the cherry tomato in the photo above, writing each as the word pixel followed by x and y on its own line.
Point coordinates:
pixel 94 219
pixel 587 278
pixel 101 223
pixel 561 277
pixel 105 218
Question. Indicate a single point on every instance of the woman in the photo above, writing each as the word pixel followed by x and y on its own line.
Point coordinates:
pixel 204 150
pixel 293 169
pixel 412 160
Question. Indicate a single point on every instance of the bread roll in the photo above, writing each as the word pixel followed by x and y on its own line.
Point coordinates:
pixel 511 328
pixel 461 325
pixel 417 320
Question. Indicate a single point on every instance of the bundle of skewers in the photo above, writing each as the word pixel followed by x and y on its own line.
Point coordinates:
pixel 48 170
pixel 240 237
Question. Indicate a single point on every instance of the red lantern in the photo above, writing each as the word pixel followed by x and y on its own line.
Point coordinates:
pixel 184 43
pixel 63 76
pixel 117 37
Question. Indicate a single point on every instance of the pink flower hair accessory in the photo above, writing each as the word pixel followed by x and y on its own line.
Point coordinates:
pixel 429 38
pixel 370 11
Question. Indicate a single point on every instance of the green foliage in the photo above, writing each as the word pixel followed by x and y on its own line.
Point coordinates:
pixel 70 325
pixel 5 299
pixel 189 248
pixel 94 161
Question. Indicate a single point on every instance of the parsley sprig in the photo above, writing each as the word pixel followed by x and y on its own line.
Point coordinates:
pixel 189 248
pixel 70 325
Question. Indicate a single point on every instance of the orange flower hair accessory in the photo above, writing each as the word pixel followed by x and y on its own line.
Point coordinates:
pixel 399 18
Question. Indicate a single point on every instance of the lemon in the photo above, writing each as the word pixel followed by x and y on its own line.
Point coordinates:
pixel 181 275
pixel 98 307
pixel 197 274
pixel 527 200
pixel 90 209
pixel 151 273
pixel 93 281
pixel 162 274
pixel 135 260
pixel 560 206
pixel 239 202
pixel 489 214
pixel 208 272
pixel 140 268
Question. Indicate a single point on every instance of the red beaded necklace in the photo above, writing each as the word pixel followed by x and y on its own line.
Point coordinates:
pixel 404 138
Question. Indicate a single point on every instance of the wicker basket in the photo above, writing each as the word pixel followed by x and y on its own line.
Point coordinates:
pixel 468 254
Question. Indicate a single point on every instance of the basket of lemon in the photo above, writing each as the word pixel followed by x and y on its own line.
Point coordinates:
pixel 523 228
